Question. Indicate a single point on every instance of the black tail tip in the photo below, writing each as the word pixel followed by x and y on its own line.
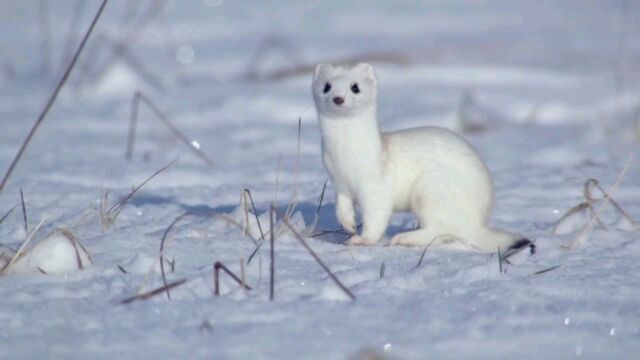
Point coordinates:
pixel 518 246
pixel 522 243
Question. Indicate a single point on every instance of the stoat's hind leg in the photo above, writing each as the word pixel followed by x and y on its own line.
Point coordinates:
pixel 426 237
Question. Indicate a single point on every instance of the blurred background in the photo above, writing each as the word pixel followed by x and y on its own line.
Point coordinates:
pixel 234 75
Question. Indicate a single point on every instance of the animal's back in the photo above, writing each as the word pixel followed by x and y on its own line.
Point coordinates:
pixel 437 165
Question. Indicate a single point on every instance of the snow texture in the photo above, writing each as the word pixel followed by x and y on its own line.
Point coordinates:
pixel 547 92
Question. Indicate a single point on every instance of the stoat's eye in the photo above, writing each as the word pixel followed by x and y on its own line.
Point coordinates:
pixel 355 89
pixel 327 88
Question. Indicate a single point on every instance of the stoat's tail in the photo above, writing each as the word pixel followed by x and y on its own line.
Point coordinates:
pixel 492 240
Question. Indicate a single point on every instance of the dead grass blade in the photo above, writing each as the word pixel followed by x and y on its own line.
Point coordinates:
pixel 319 261
pixel 425 251
pixel 53 97
pixel 546 270
pixel 116 209
pixel 162 242
pixel 255 213
pixel 139 97
pixel 154 292
pixel 316 218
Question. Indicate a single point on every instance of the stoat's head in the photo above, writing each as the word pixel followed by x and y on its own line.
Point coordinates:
pixel 344 91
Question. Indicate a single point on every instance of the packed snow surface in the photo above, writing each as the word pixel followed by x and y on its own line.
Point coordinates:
pixel 547 92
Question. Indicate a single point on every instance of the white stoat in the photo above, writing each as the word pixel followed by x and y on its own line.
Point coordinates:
pixel 430 171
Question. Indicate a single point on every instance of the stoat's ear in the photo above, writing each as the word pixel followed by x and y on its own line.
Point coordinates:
pixel 366 70
pixel 321 69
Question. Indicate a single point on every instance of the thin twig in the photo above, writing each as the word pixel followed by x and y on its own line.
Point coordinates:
pixel 154 292
pixel 499 260
pixel 382 269
pixel 140 97
pixel 53 96
pixel 319 261
pixel 164 237
pixel 216 277
pixel 24 212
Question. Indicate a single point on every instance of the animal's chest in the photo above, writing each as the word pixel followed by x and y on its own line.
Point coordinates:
pixel 350 164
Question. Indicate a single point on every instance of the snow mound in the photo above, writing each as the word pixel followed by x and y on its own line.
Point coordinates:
pixel 60 253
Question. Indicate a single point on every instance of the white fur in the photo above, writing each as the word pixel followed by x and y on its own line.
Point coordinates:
pixel 427 170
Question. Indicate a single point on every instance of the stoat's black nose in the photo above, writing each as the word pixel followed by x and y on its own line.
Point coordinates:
pixel 338 100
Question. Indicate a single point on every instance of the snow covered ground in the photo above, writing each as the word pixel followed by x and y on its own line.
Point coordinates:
pixel 552 85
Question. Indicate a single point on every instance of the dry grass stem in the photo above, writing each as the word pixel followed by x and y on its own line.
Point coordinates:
pixel 161 257
pixel 217 266
pixel 154 292
pixel 255 213
pixel 24 212
pixel 21 249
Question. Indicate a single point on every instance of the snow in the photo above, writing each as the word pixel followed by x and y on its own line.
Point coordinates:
pixel 556 100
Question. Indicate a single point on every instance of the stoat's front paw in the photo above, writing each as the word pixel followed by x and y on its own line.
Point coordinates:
pixel 349 226
pixel 347 220
pixel 359 240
